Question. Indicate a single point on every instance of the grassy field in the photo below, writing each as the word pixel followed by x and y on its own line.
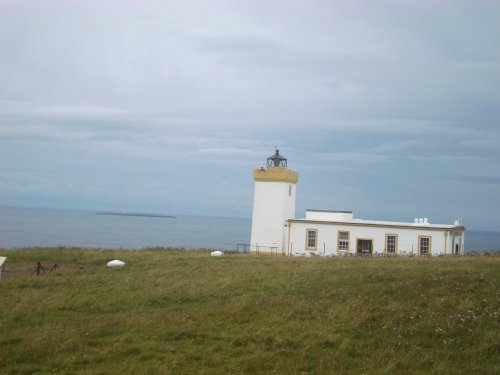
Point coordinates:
pixel 179 312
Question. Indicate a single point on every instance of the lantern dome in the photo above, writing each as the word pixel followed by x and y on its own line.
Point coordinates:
pixel 276 160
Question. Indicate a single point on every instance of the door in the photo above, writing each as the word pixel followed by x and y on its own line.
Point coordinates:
pixel 365 246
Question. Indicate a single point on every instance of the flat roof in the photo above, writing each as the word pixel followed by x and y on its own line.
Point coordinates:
pixel 333 211
pixel 377 223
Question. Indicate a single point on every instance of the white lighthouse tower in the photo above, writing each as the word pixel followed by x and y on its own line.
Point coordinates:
pixel 273 205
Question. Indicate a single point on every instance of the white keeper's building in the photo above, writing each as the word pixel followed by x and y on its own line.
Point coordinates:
pixel 276 231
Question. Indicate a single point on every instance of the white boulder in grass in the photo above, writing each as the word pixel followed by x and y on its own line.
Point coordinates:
pixel 116 263
pixel 216 253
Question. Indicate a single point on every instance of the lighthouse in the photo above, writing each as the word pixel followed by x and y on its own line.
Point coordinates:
pixel 273 205
pixel 276 231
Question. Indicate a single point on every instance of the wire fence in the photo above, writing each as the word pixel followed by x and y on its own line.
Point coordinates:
pixel 258 249
pixel 39 269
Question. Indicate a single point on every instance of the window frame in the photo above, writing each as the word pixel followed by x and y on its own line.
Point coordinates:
pixel 347 249
pixel 315 247
pixel 429 250
pixel 396 242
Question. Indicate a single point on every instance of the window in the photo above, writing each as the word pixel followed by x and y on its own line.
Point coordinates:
pixel 311 239
pixel 343 241
pixel 391 243
pixel 289 190
pixel 424 245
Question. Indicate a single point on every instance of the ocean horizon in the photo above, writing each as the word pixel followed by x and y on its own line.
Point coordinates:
pixel 47 227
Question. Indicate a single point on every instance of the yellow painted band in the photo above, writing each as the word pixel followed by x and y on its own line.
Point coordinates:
pixel 278 174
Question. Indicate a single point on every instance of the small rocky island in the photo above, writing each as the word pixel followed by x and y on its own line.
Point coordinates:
pixel 125 213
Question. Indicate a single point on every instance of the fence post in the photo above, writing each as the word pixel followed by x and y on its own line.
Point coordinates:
pixel 39 268
pixel 2 260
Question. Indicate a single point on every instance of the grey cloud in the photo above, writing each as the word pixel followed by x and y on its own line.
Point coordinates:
pixel 488 141
pixel 23 107
pixel 81 112
pixel 356 157
pixel 228 151
pixel 215 149
pixel 396 146
pixel 385 125
pixel 445 158
pixel 42 132
pixel 487 180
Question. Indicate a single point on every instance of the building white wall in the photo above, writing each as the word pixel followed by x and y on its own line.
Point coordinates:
pixel 408 238
pixel 328 215
pixel 456 242
pixel 274 204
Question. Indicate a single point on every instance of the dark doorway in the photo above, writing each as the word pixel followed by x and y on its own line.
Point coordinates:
pixel 365 247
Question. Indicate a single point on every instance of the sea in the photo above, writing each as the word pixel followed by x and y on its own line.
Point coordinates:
pixel 42 227
pixel 27 227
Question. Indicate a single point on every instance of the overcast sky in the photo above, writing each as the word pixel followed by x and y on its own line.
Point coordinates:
pixel 387 108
